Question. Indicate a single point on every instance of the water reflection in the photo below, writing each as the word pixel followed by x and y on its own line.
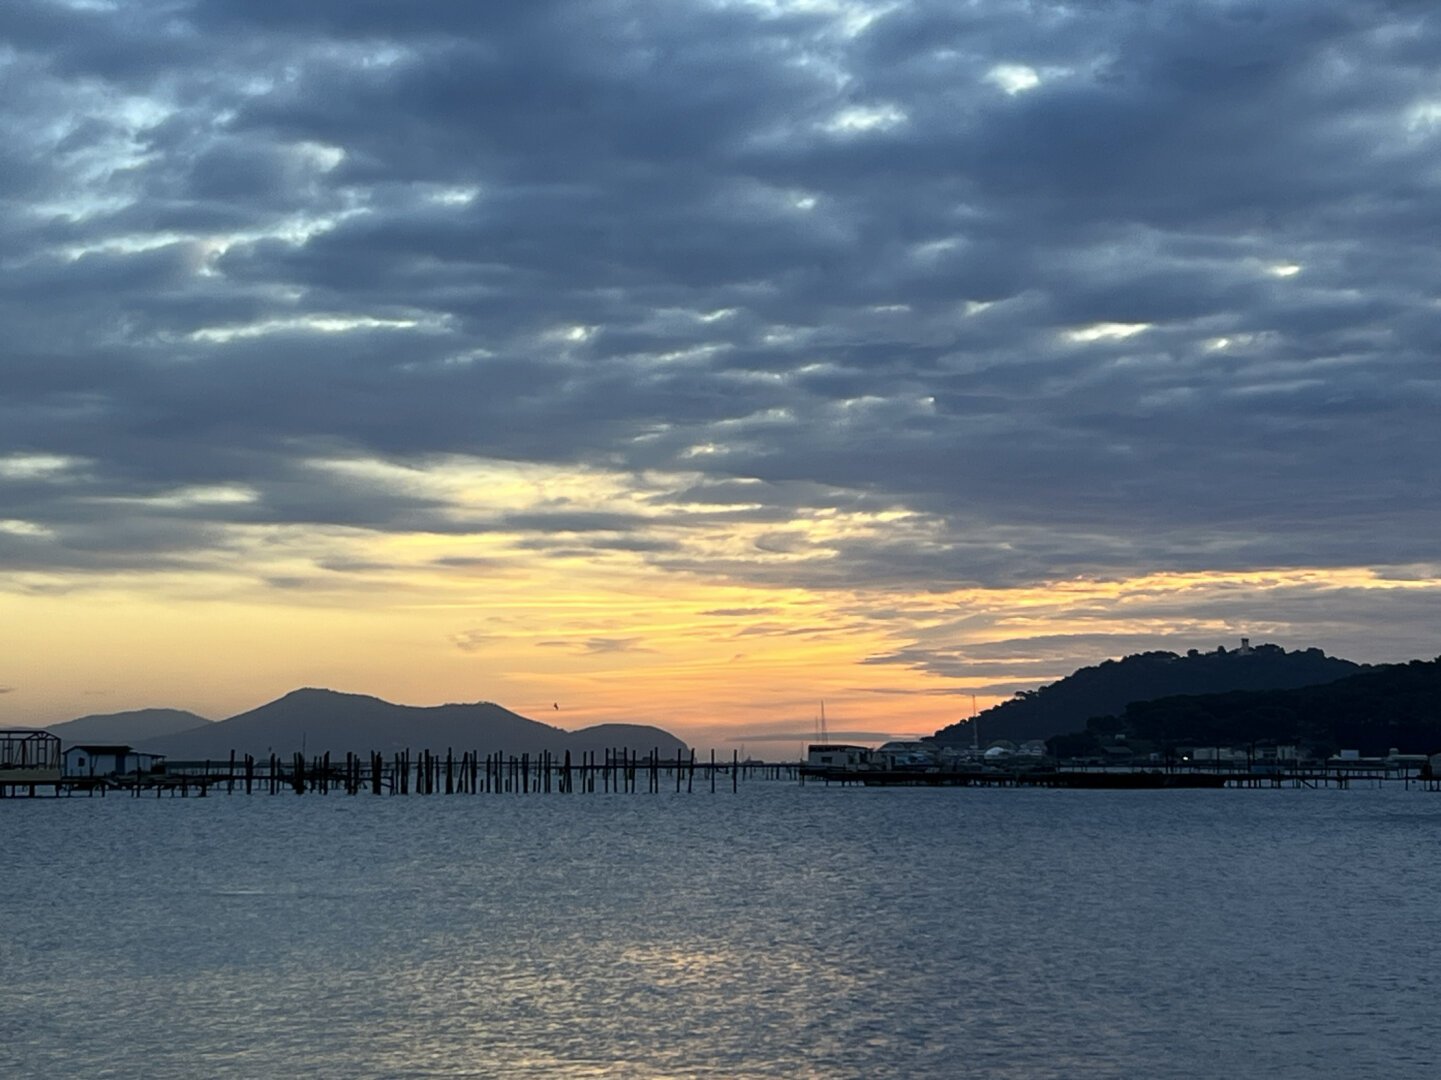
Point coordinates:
pixel 781 932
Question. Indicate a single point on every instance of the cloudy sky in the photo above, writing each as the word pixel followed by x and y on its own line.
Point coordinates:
pixel 696 361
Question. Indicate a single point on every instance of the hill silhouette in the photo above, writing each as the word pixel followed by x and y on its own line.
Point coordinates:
pixel 326 721
pixel 642 738
pixel 1393 707
pixel 127 728
pixel 1107 688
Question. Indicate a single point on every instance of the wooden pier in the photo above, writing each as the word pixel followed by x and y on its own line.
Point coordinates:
pixel 624 771
pixel 619 771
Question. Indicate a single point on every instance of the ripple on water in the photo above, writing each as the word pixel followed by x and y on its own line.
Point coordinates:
pixel 783 931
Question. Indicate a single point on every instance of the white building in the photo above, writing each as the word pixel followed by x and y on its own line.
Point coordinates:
pixel 837 756
pixel 91 759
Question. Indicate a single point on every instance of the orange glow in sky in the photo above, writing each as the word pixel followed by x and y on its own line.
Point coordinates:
pixel 425 619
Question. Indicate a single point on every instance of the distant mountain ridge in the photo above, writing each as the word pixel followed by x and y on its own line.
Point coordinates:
pixel 316 721
pixel 1107 688
pixel 127 728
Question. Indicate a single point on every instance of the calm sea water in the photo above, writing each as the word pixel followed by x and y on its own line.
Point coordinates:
pixel 783 931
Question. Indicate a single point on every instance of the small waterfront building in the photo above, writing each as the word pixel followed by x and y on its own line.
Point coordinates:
pixel 837 756
pixel 94 759
pixel 951 758
pixel 905 754
pixel 1217 754
pixel 28 756
pixel 1407 762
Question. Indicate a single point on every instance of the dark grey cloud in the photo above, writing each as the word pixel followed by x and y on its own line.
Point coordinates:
pixel 1367 625
pixel 469 562
pixel 1079 289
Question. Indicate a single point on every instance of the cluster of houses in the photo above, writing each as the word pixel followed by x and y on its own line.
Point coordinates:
pixel 902 754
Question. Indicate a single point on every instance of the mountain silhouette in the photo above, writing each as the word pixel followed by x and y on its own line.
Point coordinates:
pixel 317 722
pixel 1397 706
pixel 1107 688
pixel 127 728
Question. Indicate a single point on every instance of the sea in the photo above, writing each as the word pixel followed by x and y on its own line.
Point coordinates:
pixel 778 931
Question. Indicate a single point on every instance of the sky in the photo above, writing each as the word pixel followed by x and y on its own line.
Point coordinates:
pixel 696 362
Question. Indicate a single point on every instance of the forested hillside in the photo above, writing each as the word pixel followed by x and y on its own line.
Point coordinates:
pixel 1394 707
pixel 1107 688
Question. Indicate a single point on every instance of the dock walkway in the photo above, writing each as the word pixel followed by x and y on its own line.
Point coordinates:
pixel 425 773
